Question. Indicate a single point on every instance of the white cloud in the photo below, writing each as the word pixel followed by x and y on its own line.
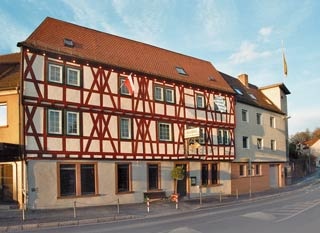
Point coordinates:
pixel 91 15
pixel 247 52
pixel 265 32
pixel 143 20
pixel 11 33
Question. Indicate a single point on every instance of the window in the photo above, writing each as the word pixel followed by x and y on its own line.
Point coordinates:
pixel 245 142
pixel 209 173
pixel 153 176
pixel 272 122
pixel 258 169
pixel 169 95
pixel 202 137
pixel 244 115
pixel 123 90
pixel 164 94
pixel 61 73
pixel 77 179
pixel 273 145
pixel 55 73
pixel 242 169
pixel 158 93
pixel 73 76
pixel 200 101
pixel 180 70
pixel 54 121
pixel 259 119
pixel 3 114
pixel 125 128
pixel 123 178
pixel 214 173
pixel 238 91
pixel 252 96
pixel 165 132
pixel 223 137
pixel 259 143
pixel 72 123
pixel 205 174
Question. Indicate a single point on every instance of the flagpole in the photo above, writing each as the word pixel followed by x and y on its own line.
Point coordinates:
pixel 285 68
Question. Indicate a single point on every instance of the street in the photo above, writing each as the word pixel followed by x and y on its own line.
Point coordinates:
pixel 294 211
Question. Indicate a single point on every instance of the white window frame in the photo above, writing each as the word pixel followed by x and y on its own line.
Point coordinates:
pixel 158 90
pixel 59 124
pixel 247 142
pixel 165 136
pixel 260 143
pixel 169 94
pixel 123 129
pixel 244 114
pixel 77 125
pixel 259 118
pixel 77 84
pixel 273 145
pixel 123 90
pixel 272 122
pixel 223 137
pixel 3 114
pixel 200 101
pixel 56 79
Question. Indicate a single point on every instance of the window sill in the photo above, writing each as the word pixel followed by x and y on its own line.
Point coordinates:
pixel 79 196
pixel 125 192
pixel 210 185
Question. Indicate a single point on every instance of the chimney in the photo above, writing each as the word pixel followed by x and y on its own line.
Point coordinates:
pixel 244 79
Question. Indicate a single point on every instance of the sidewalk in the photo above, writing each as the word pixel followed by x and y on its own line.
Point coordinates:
pixel 12 219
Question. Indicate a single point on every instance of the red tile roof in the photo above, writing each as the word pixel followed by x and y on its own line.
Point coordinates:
pixel 96 46
pixel 9 71
pixel 260 100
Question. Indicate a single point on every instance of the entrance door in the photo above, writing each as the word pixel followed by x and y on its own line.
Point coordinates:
pixel 6 182
pixel 182 184
pixel 274 176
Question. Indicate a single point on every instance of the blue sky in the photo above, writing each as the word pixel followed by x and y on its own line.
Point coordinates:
pixel 236 36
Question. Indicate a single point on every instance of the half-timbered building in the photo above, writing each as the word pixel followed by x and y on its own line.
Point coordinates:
pixel 89 135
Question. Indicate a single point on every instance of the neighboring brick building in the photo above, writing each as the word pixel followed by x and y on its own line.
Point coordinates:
pixel 261 136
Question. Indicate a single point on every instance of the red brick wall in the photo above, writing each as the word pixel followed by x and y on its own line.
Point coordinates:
pixel 258 182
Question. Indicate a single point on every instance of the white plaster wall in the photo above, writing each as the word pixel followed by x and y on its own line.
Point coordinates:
pixel 253 131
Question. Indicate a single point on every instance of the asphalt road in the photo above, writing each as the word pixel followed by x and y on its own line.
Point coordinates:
pixel 297 211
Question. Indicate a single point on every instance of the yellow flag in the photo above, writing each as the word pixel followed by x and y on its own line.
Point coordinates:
pixel 285 68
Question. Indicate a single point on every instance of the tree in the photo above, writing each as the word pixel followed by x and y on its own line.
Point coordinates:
pixel 177 173
pixel 300 137
pixel 316 133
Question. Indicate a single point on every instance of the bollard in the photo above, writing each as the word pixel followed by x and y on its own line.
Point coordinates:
pixel 177 202
pixel 148 204
pixel 74 210
pixel 200 192
pixel 220 198
pixel 237 194
pixel 118 206
pixel 23 212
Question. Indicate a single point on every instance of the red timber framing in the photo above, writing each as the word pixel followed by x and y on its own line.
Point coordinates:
pixel 109 106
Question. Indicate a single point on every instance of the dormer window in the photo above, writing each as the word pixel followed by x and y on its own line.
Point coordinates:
pixel 238 91
pixel 180 70
pixel 253 96
pixel 68 43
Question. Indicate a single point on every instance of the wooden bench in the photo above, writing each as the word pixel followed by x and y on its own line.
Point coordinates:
pixel 155 195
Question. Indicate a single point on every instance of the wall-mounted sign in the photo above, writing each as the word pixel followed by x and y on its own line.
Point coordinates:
pixel 192 133
pixel 220 103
